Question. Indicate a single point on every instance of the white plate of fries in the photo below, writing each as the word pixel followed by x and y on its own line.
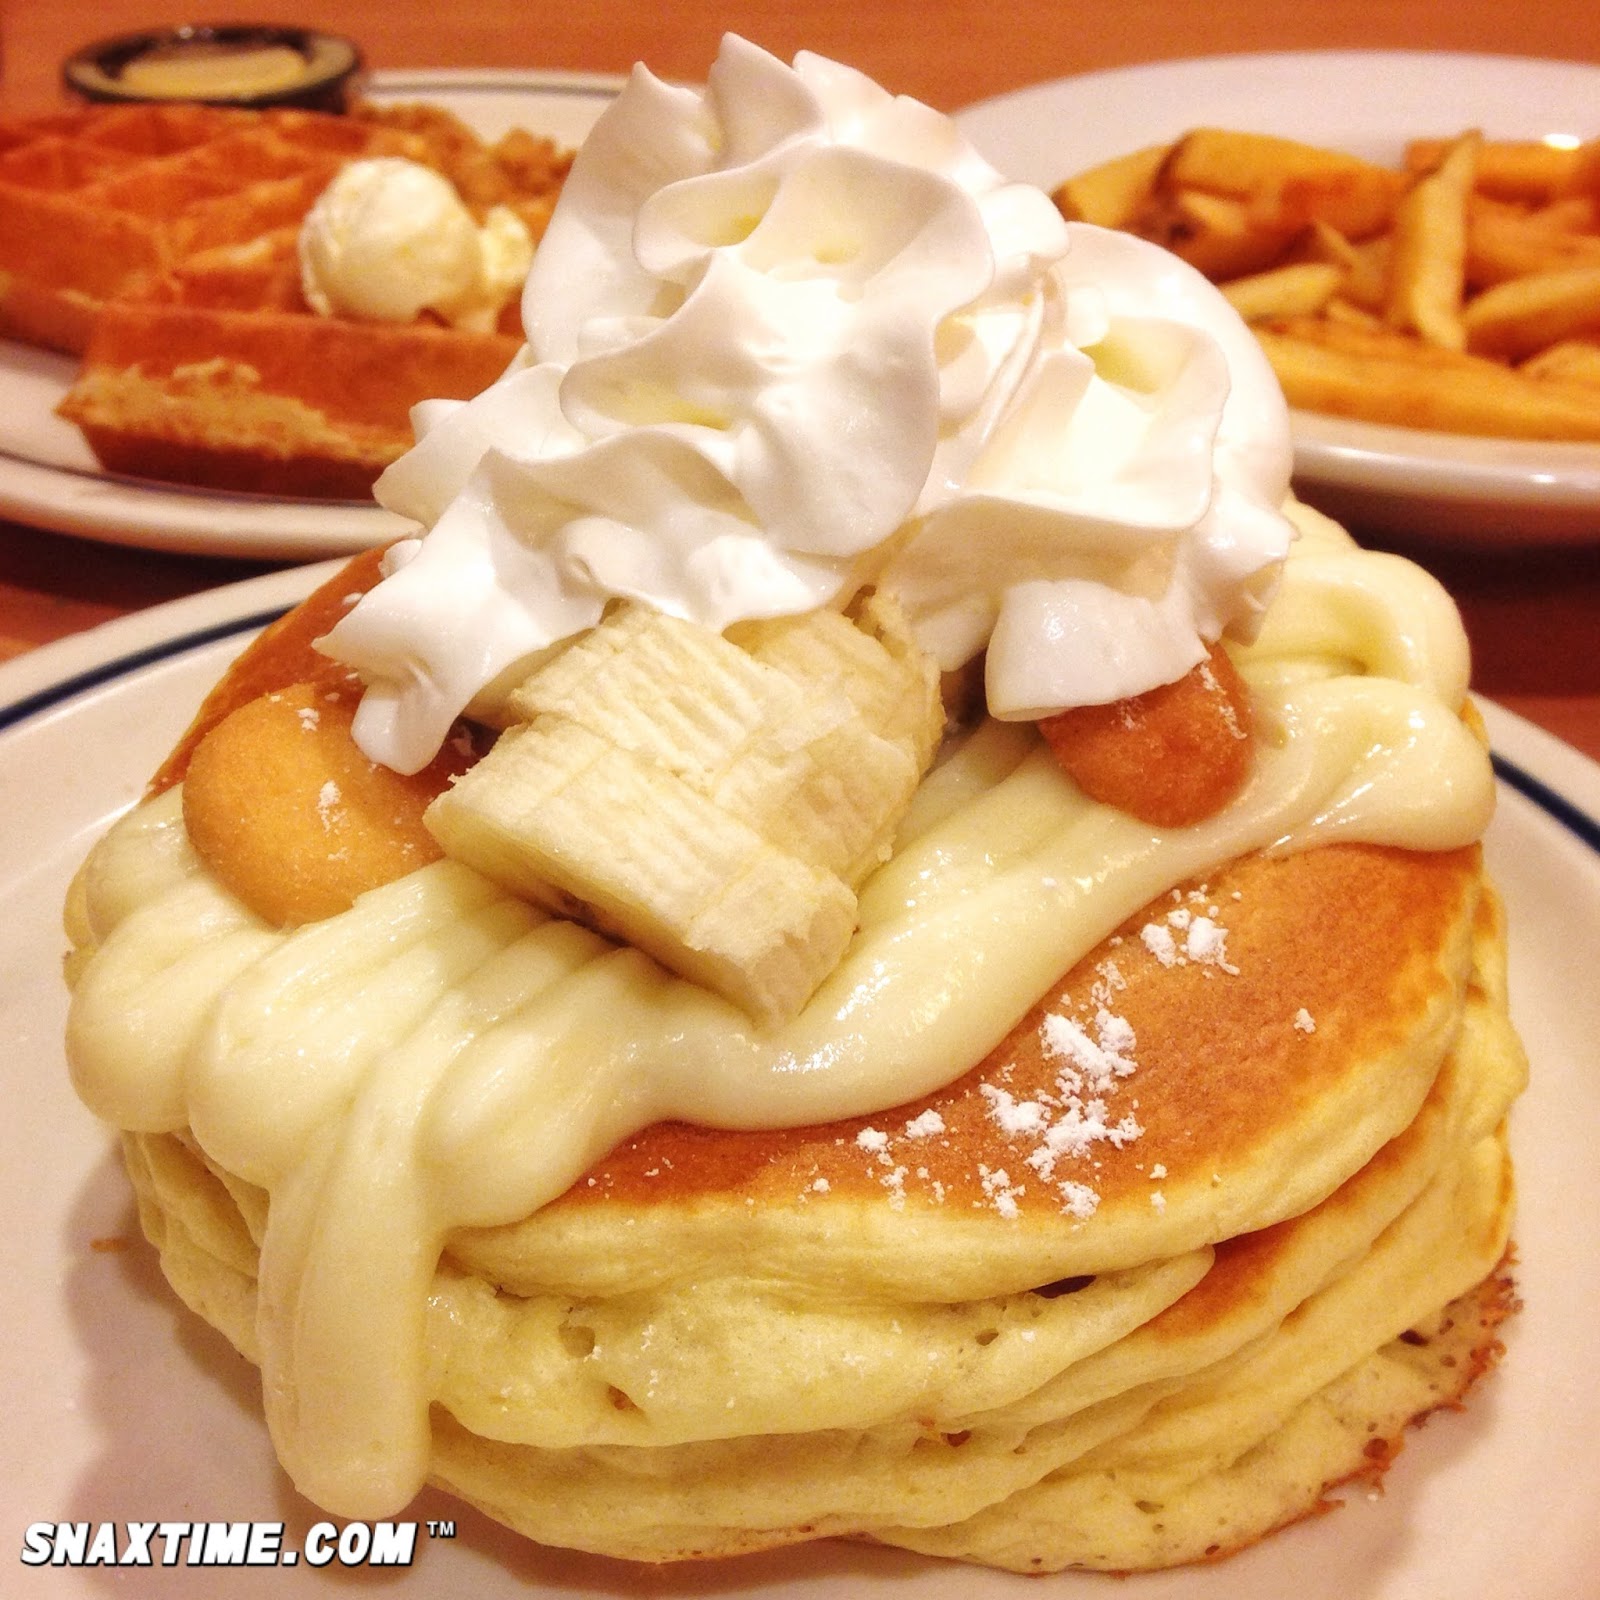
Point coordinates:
pixel 1415 236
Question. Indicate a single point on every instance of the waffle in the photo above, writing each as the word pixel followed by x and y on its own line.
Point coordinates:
pixel 159 243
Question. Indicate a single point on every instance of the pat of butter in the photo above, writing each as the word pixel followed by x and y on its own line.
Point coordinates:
pixel 214 70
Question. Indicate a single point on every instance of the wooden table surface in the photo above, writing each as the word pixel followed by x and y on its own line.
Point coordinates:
pixel 1533 615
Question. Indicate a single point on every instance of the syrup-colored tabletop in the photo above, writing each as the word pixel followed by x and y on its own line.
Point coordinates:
pixel 1532 609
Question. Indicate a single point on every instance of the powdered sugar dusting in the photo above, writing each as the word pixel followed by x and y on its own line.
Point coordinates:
pixel 998 1186
pixel 1185 935
pixel 1073 1118
pixel 1013 1116
pixel 1062 1129
pixel 328 798
pixel 1207 942
pixel 876 1142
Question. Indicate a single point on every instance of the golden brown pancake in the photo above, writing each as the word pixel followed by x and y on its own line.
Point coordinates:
pixel 757 1360
pixel 1177 1256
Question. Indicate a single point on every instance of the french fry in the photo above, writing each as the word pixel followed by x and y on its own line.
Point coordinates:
pixel 1459 290
pixel 1215 233
pixel 1300 289
pixel 1427 266
pixel 1586 174
pixel 1529 170
pixel 1368 283
pixel 1505 241
pixel 1573 213
pixel 1339 309
pixel 1359 200
pixel 1571 361
pixel 1288 184
pixel 1522 315
pixel 1224 161
pixel 1381 376
pixel 1323 242
pixel 1111 194
pixel 1365 266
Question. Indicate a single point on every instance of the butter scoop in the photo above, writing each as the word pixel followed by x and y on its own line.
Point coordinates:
pixel 389 239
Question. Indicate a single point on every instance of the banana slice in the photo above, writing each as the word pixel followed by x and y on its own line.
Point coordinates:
pixel 712 800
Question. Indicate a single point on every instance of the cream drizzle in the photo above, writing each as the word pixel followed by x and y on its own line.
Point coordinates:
pixel 443 1055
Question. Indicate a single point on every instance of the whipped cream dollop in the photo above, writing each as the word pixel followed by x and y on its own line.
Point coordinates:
pixel 791 335
pixel 389 239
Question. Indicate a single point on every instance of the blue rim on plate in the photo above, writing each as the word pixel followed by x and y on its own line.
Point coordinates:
pixel 1571 816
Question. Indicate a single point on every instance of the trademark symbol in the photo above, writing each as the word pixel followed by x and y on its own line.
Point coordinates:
pixel 441 1530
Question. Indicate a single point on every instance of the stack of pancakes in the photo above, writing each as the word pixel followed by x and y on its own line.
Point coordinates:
pixel 1226 1211
pixel 159 242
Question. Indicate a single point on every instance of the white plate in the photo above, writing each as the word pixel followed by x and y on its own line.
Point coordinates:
pixel 1483 491
pixel 49 477
pixel 118 1405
